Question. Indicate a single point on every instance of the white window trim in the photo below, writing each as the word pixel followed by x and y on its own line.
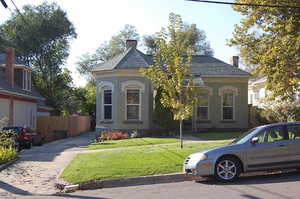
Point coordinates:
pixel 133 84
pixel 233 108
pixel 140 104
pixel 103 84
pixel 103 105
pixel 208 105
pixel 26 80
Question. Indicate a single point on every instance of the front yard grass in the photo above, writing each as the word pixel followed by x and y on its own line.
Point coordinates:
pixel 131 142
pixel 132 161
pixel 218 135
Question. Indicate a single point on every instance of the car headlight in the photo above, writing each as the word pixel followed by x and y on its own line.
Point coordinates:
pixel 202 157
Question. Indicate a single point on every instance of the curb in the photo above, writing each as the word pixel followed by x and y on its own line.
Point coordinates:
pixel 124 182
pixel 4 166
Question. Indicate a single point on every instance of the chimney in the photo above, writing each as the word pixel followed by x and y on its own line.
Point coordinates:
pixel 235 61
pixel 9 68
pixel 131 43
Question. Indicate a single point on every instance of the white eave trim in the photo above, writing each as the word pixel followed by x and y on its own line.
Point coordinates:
pixel 20 94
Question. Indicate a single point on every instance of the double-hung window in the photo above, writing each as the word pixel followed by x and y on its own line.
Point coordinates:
pixel 27 80
pixel 228 105
pixel 107 104
pixel 203 106
pixel 133 104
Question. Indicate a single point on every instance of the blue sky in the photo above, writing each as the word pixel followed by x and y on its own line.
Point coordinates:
pixel 97 20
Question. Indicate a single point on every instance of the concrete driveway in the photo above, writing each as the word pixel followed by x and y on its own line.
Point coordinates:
pixel 38 168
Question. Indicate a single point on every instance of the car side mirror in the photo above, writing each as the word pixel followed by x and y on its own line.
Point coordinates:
pixel 254 140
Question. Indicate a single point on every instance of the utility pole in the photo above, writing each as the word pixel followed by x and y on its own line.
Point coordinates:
pixel 4 3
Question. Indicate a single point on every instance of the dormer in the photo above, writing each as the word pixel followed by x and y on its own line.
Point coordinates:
pixel 15 71
pixel 22 77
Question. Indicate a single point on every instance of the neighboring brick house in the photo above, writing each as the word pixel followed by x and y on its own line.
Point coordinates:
pixel 125 97
pixel 20 103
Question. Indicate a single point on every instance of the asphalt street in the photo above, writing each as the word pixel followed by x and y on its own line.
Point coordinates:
pixel 283 186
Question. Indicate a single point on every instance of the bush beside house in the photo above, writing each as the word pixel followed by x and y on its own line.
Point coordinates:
pixel 8 151
pixel 274 112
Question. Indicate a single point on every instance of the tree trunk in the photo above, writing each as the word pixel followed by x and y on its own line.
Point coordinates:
pixel 180 130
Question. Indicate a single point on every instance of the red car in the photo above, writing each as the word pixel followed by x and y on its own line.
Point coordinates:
pixel 25 137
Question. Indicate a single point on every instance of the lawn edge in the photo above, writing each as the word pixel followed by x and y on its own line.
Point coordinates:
pixel 7 164
pixel 124 182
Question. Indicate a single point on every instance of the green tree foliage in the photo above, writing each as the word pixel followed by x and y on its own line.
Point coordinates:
pixel 115 46
pixel 269 38
pixel 41 36
pixel 171 69
pixel 191 36
pixel 86 99
pixel 163 115
pixel 282 112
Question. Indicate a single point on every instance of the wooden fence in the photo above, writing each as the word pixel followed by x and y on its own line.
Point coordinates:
pixel 47 125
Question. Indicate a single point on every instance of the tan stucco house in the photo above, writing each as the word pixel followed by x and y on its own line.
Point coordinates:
pixel 125 97
pixel 20 103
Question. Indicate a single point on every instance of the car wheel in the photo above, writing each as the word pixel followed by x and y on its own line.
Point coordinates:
pixel 28 145
pixel 227 169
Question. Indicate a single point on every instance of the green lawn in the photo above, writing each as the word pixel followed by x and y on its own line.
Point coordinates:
pixel 132 161
pixel 218 135
pixel 131 142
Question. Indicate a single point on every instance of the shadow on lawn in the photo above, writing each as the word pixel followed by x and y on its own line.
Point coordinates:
pixel 166 149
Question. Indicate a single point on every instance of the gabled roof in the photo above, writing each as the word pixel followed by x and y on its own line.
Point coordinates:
pixel 130 59
pixel 202 65
pixel 16 60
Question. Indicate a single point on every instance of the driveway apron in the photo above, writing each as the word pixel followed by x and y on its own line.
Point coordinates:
pixel 38 168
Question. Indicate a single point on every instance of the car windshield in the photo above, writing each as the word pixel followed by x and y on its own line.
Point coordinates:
pixel 244 137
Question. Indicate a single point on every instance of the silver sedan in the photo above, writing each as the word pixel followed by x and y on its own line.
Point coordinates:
pixel 273 146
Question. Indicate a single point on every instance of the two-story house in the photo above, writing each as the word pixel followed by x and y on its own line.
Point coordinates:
pixel 20 103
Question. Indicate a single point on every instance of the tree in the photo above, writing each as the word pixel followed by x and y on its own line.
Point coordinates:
pixel 171 69
pixel 86 99
pixel 115 46
pixel 269 38
pixel 41 36
pixel 191 36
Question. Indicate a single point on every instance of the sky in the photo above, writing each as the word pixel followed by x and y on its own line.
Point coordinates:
pixel 97 21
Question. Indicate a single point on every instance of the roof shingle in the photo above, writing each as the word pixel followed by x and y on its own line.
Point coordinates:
pixel 202 65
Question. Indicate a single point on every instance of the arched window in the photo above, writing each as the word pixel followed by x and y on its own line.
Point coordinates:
pixel 203 104
pixel 133 99
pixel 106 90
pixel 228 94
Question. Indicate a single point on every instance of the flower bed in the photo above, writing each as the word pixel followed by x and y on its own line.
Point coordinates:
pixel 113 135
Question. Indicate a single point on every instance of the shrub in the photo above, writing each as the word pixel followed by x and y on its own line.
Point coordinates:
pixel 163 116
pixel 114 135
pixel 7 154
pixel 282 112
pixel 7 144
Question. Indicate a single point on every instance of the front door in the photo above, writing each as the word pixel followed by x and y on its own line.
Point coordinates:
pixel 271 150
